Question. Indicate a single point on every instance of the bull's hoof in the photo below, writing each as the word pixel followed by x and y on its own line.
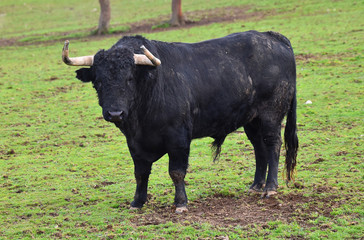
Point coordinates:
pixel 268 194
pixel 256 188
pixel 134 208
pixel 254 191
pixel 180 210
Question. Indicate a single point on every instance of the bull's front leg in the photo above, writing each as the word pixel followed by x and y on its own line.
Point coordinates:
pixel 178 163
pixel 142 171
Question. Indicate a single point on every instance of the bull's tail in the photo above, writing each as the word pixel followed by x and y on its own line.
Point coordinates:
pixel 291 140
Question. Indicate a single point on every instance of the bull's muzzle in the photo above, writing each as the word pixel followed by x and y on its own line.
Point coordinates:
pixel 113 116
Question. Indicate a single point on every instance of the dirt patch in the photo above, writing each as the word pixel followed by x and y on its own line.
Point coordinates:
pixel 244 211
pixel 193 19
pixel 305 57
pixel 199 18
pixel 309 58
pixel 8 42
pixel 319 160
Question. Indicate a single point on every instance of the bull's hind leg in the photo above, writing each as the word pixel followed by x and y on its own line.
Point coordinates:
pixel 253 133
pixel 266 139
pixel 272 142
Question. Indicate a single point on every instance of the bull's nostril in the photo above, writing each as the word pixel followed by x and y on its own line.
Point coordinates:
pixel 115 116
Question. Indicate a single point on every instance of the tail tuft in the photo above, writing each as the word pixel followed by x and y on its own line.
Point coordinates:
pixel 291 140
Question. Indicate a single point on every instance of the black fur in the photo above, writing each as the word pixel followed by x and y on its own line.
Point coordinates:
pixel 203 89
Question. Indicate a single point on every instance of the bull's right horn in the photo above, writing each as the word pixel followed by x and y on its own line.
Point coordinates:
pixel 147 58
pixel 75 61
pixel 152 58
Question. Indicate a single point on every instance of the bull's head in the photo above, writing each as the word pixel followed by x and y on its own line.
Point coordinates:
pixel 112 73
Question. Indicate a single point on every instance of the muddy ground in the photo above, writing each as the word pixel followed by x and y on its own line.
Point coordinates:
pixel 247 210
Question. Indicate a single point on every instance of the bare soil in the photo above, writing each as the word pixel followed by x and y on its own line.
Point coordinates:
pixel 201 17
pixel 247 211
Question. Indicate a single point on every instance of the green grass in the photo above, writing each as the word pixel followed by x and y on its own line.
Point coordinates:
pixel 65 172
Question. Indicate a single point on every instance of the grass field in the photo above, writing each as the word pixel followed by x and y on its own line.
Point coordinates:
pixel 66 173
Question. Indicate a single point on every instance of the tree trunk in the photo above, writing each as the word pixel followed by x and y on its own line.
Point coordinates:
pixel 105 15
pixel 177 16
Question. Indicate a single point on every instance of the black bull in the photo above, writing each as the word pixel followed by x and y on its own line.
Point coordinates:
pixel 209 88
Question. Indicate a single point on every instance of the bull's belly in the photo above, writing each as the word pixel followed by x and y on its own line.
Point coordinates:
pixel 220 125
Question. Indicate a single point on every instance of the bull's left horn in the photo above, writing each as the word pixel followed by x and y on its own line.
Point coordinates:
pixel 75 61
pixel 150 56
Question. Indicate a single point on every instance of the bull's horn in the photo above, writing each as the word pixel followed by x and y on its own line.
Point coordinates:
pixel 141 59
pixel 147 58
pixel 75 61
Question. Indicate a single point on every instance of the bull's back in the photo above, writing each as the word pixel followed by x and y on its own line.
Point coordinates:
pixel 234 63
pixel 224 79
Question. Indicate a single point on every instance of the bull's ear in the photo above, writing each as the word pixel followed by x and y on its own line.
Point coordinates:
pixel 85 74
